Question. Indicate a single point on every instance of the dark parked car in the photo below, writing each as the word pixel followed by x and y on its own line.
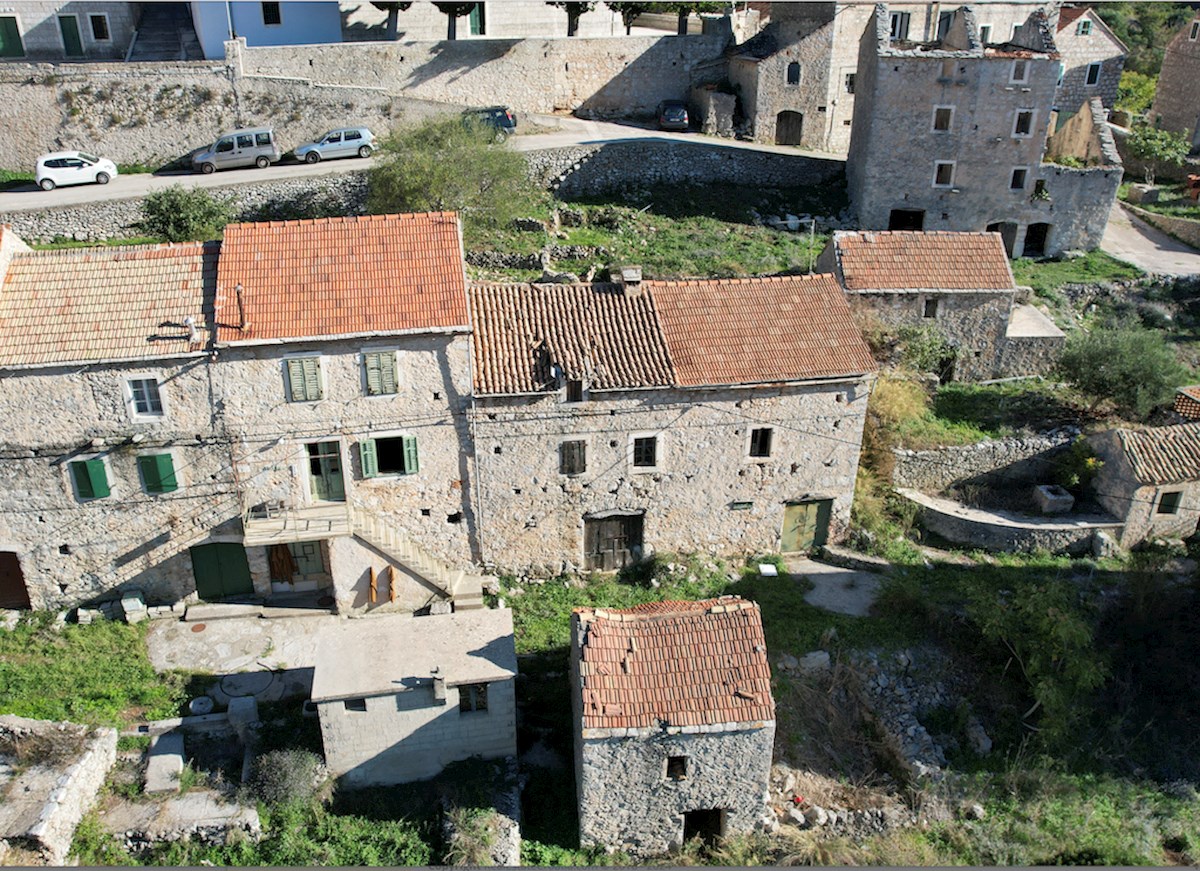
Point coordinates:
pixel 672 115
pixel 499 118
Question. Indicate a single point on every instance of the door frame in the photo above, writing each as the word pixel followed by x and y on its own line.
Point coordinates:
pixel 308 475
pixel 59 16
pixel 821 536
pixel 636 552
pixel 16 555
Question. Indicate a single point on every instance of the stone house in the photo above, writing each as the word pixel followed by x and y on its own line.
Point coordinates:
pixel 50 30
pixel 510 19
pixel 1092 59
pixel 611 421
pixel 1176 98
pixel 971 157
pixel 400 698
pixel 1150 479
pixel 674 722
pixel 959 283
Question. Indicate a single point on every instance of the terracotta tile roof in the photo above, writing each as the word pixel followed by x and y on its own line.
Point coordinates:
pixel 674 663
pixel 756 330
pixel 1067 16
pixel 896 260
pixel 377 274
pixel 92 304
pixel 1187 402
pixel 1163 455
pixel 671 333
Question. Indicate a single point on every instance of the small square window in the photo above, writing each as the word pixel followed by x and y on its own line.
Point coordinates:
pixel 899 25
pixel 158 473
pixel 760 441
pixel 930 309
pixel 1083 27
pixel 1093 74
pixel 793 73
pixel 271 14
pixel 1020 72
pixel 677 767
pixel 574 392
pixel 572 457
pixel 942 118
pixel 1017 182
pixel 1168 503
pixel 472 698
pixel 985 33
pixel 850 83
pixel 99 28
pixel 1039 190
pixel 359 706
pixel 91 479
pixel 144 397
pixel 943 174
pixel 1023 123
pixel 1195 31
pixel 261 139
pixel 645 452
pixel 396 455
pixel 943 24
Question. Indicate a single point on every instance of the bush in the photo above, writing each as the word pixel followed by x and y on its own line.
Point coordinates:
pixel 1157 148
pixel 181 215
pixel 1077 467
pixel 1134 368
pixel 926 349
pixel 1135 93
pixel 286 776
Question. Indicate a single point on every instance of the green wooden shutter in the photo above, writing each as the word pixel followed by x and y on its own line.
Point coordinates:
pixel 304 379
pixel 295 373
pixel 411 462
pixel 374 376
pixel 381 372
pixel 91 480
pixel 369 458
pixel 10 38
pixel 158 472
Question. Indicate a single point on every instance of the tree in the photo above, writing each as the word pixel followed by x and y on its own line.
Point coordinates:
pixel 449 164
pixel 1135 93
pixel 179 214
pixel 1156 148
pixel 627 11
pixel 684 10
pixel 453 11
pixel 393 10
pixel 1134 368
pixel 574 11
pixel 1145 28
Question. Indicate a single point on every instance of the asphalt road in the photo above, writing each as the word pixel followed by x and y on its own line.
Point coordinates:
pixel 1131 239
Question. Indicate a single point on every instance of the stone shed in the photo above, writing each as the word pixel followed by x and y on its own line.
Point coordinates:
pixel 1150 479
pixel 674 722
pixel 400 697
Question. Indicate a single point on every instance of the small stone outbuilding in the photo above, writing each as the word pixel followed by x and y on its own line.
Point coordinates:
pixel 1151 480
pixel 1176 98
pixel 674 722
pixel 400 698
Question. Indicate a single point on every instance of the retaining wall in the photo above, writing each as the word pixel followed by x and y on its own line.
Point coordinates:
pixel 1011 461
pixel 1183 229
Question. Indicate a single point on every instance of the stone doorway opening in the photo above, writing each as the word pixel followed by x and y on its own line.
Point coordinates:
pixel 707 825
pixel 1008 233
pixel 14 595
pixel 1035 240
pixel 906 219
pixel 789 127
pixel 612 541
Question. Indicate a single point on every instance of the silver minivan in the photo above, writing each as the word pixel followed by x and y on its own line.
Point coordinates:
pixel 254 146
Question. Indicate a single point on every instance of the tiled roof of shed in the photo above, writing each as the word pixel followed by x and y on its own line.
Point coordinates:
pixel 909 260
pixel 677 333
pixel 676 664
pixel 92 304
pixel 1187 402
pixel 1165 454
pixel 377 274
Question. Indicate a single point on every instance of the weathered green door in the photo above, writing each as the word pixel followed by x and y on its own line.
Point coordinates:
pixel 10 37
pixel 806 525
pixel 478 27
pixel 72 44
pixel 325 471
pixel 221 570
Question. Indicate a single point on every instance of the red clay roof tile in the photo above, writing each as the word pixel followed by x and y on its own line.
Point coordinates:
pixel 1187 402
pixel 895 260
pixel 1164 454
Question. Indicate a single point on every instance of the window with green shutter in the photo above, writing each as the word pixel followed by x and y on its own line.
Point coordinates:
pixel 91 479
pixel 158 473
pixel 396 455
pixel 380 370
pixel 304 379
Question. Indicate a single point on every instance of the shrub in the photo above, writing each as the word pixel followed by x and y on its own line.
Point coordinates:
pixel 1134 368
pixel 1157 148
pixel 927 350
pixel 1135 93
pixel 182 215
pixel 1077 467
pixel 286 776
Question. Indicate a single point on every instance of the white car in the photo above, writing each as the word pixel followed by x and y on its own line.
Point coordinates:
pixel 73 167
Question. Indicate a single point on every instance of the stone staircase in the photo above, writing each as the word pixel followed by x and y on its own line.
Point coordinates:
pixel 464 589
pixel 164 33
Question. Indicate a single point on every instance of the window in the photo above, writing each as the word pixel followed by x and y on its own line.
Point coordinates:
pixel 793 73
pixel 358 706
pixel 1017 181
pixel 144 398
pixel 158 473
pixel 1020 72
pixel 225 145
pixel 1023 124
pixel 1168 503
pixel 944 24
pixel 677 767
pixel 930 309
pixel 304 379
pixel 379 372
pixel 1195 33
pixel 574 391
pixel 1093 73
pixel 91 480
pixel 572 457
pixel 1083 27
pixel 271 14
pixel 472 698
pixel 99 28
pixel 943 116
pixel 645 452
pixel 262 139
pixel 760 441
pixel 352 135
pixel 396 455
pixel 943 173
pixel 985 33
pixel 245 140
pixel 900 25
pixel 10 37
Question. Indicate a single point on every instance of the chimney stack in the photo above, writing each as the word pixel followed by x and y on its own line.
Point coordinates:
pixel 241 304
pixel 628 278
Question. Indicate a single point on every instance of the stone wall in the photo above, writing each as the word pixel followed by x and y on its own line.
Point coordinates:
pixel 1183 229
pixel 1028 355
pixel 1176 98
pixel 1121 494
pixel 409 736
pixel 1078 51
pixel 1020 460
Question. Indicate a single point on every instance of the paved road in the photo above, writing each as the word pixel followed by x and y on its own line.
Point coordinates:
pixel 1131 239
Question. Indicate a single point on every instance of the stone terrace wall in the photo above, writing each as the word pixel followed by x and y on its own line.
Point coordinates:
pixel 1028 355
pixel 1013 459
pixel 1183 229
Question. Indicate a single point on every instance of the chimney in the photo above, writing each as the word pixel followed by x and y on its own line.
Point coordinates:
pixel 193 333
pixel 628 278
pixel 241 304
pixel 439 688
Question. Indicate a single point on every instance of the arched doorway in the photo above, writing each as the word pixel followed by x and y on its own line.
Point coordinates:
pixel 1035 240
pixel 788 128
pixel 14 595
pixel 1008 232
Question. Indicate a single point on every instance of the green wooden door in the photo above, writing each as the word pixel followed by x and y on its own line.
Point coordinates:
pixel 72 44
pixel 10 38
pixel 221 570
pixel 325 472
pixel 478 27
pixel 806 525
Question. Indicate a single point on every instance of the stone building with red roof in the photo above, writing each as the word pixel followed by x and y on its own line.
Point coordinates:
pixel 1176 97
pixel 674 722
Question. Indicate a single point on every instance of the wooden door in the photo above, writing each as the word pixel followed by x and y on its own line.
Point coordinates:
pixel 805 525
pixel 10 38
pixel 221 570
pixel 325 472
pixel 13 592
pixel 72 44
pixel 789 127
pixel 612 542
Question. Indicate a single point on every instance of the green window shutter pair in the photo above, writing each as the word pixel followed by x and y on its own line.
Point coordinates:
pixel 158 473
pixel 368 455
pixel 304 379
pixel 381 373
pixel 91 480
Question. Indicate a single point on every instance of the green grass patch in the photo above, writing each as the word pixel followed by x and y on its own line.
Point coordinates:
pixel 60 242
pixel 1047 276
pixel 11 179
pixel 998 410
pixel 1173 201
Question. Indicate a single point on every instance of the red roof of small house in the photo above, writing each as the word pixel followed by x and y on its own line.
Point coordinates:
pixel 1069 14
pixel 1187 402
pixel 371 275
pixel 910 260
pixel 1164 454
pixel 682 664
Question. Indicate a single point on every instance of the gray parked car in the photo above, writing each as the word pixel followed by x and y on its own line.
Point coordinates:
pixel 254 146
pixel 344 142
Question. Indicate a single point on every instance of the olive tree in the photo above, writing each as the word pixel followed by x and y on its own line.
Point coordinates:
pixel 1135 368
pixel 1156 148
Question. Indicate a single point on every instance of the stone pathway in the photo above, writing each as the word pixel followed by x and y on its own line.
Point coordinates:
pixel 1131 239
pixel 844 591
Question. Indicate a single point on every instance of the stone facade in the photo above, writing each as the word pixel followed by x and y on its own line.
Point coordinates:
pixel 1092 58
pixel 1176 98
pixel 104 29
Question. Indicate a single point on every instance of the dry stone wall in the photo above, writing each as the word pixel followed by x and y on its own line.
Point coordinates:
pixel 1183 229
pixel 1026 460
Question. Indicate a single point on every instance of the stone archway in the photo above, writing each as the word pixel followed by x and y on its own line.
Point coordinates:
pixel 789 127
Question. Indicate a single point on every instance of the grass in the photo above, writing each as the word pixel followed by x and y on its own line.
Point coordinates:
pixel 1173 201
pixel 997 410
pixel 61 242
pixel 1047 276
pixel 11 179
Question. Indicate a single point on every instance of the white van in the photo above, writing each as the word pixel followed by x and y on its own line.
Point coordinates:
pixel 254 146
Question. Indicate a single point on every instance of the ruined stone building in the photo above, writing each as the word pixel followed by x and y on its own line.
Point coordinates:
pixel 960 284
pixel 1176 98
pixel 954 135
pixel 674 722
pixel 1092 59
